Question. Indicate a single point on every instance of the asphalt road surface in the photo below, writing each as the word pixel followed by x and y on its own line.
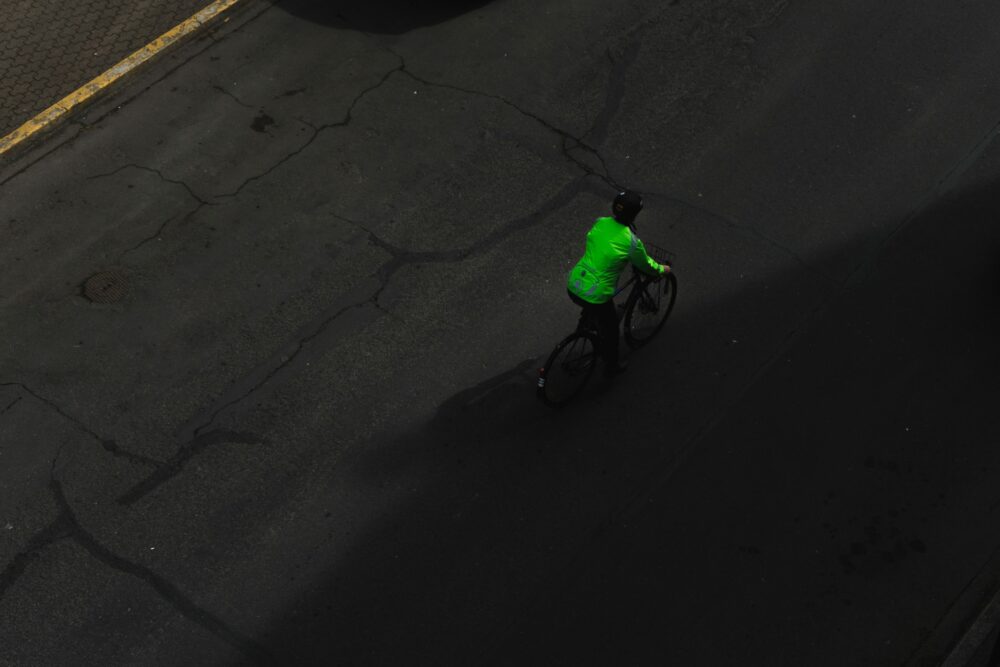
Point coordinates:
pixel 306 433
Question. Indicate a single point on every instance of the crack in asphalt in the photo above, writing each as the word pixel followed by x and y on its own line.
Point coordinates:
pixel 314 330
pixel 188 188
pixel 107 444
pixel 159 232
pixel 317 130
pixel 59 529
pixel 615 91
pixel 569 141
pixel 235 99
pixel 290 93
pixel 402 257
pixel 565 136
pixel 185 453
pixel 66 526
pixel 11 404
pixel 267 172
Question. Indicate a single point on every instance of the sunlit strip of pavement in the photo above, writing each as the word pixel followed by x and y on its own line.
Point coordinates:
pixel 61 109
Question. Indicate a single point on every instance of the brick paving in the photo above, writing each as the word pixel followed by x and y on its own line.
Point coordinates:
pixel 49 48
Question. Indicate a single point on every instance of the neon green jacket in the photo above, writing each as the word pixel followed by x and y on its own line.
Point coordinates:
pixel 610 245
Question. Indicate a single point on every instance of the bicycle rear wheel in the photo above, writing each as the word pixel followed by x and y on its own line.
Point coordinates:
pixel 567 370
pixel 648 308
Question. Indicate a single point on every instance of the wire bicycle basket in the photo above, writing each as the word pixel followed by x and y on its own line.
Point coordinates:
pixel 661 255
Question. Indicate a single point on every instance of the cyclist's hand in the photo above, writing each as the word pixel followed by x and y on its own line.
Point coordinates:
pixel 666 268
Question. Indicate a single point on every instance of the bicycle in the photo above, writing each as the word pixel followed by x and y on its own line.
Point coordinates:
pixel 645 311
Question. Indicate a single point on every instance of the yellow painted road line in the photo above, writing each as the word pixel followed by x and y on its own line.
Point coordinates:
pixel 81 95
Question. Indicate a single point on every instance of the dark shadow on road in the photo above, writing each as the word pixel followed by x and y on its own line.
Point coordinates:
pixel 392 17
pixel 569 537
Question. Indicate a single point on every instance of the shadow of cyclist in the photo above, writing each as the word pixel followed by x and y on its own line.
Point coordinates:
pixel 514 534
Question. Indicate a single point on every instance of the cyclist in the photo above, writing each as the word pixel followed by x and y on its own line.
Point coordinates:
pixel 611 244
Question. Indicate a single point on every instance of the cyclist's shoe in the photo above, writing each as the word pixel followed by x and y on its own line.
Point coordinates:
pixel 617 369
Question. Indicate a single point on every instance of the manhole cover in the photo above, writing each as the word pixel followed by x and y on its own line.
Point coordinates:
pixel 106 287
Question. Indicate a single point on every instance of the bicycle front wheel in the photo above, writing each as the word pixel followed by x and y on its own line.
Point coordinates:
pixel 567 369
pixel 648 308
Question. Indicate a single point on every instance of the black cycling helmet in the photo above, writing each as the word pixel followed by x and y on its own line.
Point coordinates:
pixel 626 206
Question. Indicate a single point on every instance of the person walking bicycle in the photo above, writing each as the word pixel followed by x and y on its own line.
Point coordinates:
pixel 612 243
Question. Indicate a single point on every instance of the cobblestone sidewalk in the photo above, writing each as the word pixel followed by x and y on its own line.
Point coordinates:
pixel 49 48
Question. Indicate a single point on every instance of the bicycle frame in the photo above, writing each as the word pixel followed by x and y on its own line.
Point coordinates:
pixel 637 281
pixel 569 366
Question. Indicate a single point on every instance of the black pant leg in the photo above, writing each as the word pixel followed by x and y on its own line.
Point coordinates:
pixel 606 316
pixel 607 326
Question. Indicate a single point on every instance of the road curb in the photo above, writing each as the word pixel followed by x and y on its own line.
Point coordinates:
pixel 61 110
